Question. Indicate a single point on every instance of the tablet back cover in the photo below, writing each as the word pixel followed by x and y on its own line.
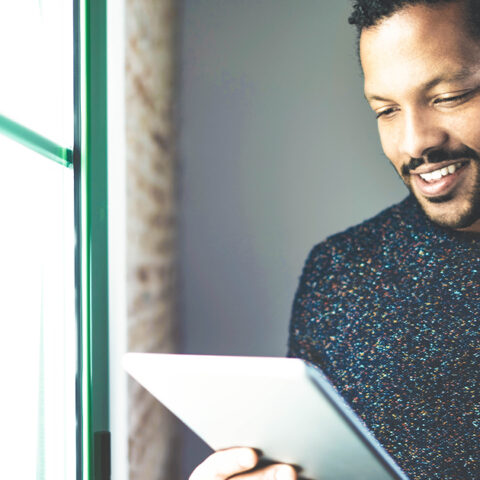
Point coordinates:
pixel 273 404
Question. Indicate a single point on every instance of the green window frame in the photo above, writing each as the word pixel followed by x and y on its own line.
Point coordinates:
pixel 88 158
pixel 90 177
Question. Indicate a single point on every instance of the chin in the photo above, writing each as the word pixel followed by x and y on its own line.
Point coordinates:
pixel 450 214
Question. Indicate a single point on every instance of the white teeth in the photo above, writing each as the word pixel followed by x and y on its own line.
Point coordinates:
pixel 428 177
pixel 441 172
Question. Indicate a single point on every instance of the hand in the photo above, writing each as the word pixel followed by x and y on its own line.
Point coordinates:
pixel 240 462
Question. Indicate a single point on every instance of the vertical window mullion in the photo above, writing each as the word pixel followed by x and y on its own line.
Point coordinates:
pixel 90 164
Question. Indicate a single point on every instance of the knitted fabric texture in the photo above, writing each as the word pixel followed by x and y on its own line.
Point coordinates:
pixel 390 311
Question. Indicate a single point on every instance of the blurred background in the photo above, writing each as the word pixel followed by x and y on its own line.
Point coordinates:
pixel 277 149
pixel 166 166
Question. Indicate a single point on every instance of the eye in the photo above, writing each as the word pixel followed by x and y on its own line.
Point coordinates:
pixel 454 100
pixel 386 112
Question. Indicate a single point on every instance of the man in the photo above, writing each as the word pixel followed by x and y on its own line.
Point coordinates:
pixel 390 309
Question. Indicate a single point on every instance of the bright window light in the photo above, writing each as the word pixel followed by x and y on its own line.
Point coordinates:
pixel 36 84
pixel 37 308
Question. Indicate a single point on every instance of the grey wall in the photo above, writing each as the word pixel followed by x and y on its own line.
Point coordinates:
pixel 278 150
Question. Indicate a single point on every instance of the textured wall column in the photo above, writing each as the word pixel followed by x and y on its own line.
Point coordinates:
pixel 151 225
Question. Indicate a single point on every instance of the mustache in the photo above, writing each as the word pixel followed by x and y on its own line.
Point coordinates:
pixel 440 155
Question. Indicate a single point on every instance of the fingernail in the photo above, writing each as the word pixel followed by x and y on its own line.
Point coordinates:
pixel 246 459
pixel 283 472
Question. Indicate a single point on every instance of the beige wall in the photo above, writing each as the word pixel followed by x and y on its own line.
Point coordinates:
pixel 151 225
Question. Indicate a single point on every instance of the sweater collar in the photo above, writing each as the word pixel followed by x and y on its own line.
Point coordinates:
pixel 420 224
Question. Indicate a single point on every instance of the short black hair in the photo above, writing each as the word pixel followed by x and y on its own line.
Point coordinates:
pixel 368 13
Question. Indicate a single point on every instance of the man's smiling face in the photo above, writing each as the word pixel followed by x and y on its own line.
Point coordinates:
pixel 422 79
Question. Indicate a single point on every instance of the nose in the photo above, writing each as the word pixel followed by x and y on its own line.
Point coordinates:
pixel 422 132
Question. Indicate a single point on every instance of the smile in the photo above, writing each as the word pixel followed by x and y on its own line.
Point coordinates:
pixel 441 181
pixel 441 172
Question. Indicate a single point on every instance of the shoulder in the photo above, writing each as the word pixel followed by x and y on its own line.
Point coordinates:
pixel 339 279
pixel 376 237
pixel 355 258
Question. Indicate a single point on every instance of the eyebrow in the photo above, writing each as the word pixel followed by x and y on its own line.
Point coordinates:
pixel 462 74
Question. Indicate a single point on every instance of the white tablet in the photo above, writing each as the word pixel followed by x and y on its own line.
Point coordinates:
pixel 284 407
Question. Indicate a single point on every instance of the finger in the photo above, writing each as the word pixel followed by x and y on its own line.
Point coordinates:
pixel 273 472
pixel 225 463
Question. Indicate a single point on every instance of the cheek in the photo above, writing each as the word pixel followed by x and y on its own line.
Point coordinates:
pixel 468 134
pixel 464 128
pixel 389 144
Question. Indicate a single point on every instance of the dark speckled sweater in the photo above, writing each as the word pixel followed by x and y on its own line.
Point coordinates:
pixel 390 310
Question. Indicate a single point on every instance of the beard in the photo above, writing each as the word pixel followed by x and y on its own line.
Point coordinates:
pixel 457 220
pixel 458 209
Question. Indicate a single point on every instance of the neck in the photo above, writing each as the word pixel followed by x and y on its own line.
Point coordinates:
pixel 473 228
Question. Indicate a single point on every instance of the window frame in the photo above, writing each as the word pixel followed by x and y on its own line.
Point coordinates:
pixel 91 222
pixel 88 158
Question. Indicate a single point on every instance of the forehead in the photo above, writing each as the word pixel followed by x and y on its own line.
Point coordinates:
pixel 415 45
